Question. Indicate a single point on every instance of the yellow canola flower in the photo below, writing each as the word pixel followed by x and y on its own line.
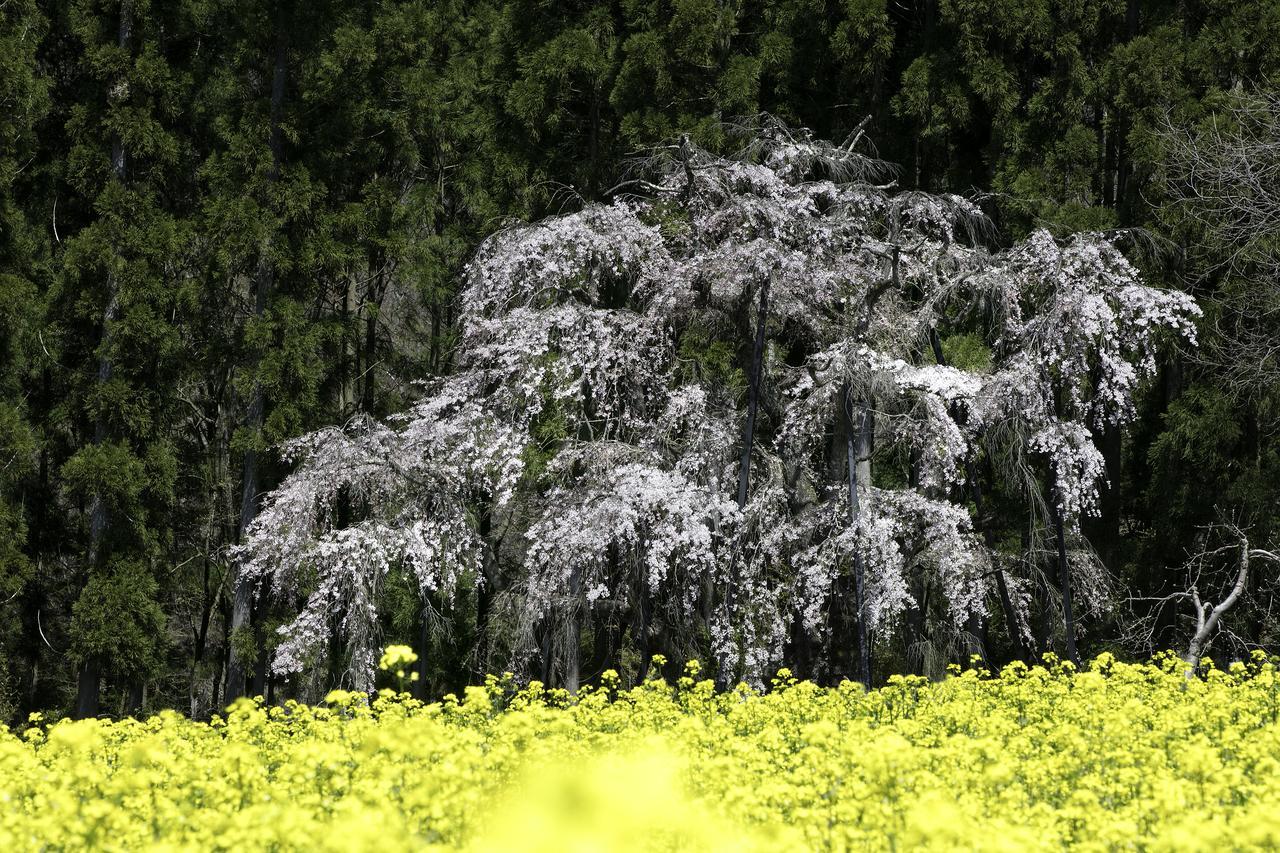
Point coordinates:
pixel 632 799
pixel 1029 758
pixel 397 658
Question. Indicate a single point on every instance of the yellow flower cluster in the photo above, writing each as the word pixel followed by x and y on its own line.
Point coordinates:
pixel 395 660
pixel 1117 756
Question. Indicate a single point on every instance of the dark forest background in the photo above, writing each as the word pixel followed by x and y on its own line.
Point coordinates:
pixel 227 222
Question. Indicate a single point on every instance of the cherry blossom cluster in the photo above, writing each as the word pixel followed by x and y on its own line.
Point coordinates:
pixel 612 466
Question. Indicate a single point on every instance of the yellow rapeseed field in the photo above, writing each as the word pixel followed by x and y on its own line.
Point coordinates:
pixel 1118 756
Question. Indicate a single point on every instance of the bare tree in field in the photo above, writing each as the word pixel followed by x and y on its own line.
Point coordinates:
pixel 1209 615
pixel 1219 576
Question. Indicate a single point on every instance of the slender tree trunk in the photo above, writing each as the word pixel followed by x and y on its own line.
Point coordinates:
pixel 488 588
pixel 748 436
pixel 484 603
pixel 572 638
pixel 644 616
pixel 1002 585
pixel 373 308
pixel 1123 125
pixel 1103 532
pixel 87 678
pixel 242 606
pixel 858 437
pixel 90 670
pixel 1010 617
pixel 593 144
pixel 33 598
pixel 545 643
pixel 349 370
pixel 801 646
pixel 421 690
pixel 260 677
pixel 753 396
pixel 573 635
pixel 434 350
pixel 916 629
pixel 601 643
pixel 1046 616
pixel 1064 581
pixel 215 683
pixel 214 538
pixel 136 697
pixel 976 627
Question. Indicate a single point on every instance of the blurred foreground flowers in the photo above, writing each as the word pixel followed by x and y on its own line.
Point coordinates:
pixel 1032 757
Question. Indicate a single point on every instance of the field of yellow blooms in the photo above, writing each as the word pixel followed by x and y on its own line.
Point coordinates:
pixel 1119 755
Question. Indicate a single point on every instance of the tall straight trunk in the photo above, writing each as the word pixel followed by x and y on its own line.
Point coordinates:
pixel 858 437
pixel 349 369
pixel 87 678
pixel 484 605
pixel 753 396
pixel 421 690
pixel 242 606
pixel 135 698
pixel 1046 615
pixel 606 629
pixel 1044 641
pixel 916 629
pixel 1064 581
pixel 33 599
pixel 573 635
pixel 90 671
pixel 261 679
pixel 1010 618
pixel 976 625
pixel 215 683
pixel 1002 585
pixel 601 650
pixel 744 469
pixel 1132 18
pixel 593 144
pixel 486 591
pixel 214 539
pixel 572 651
pixel 749 429
pixel 434 350
pixel 976 628
pixel 373 308
pixel 802 646
pixel 644 616
pixel 545 635
pixel 1103 532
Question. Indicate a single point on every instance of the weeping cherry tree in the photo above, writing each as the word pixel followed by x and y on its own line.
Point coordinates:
pixel 665 412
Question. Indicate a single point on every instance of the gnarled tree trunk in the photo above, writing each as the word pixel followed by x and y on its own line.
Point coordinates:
pixel 1208 618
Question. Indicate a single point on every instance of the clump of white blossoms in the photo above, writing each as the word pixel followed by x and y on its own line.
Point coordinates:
pixel 666 410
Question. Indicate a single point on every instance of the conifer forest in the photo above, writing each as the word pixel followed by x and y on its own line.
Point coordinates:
pixel 631 364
